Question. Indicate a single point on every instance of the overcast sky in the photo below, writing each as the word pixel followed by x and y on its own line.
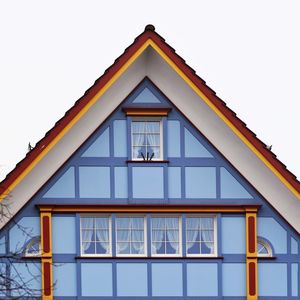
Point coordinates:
pixel 52 51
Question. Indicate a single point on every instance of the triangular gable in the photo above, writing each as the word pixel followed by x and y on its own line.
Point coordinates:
pixel 146 96
pixel 103 176
pixel 287 186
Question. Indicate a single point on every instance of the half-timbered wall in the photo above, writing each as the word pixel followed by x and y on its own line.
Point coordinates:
pixel 189 171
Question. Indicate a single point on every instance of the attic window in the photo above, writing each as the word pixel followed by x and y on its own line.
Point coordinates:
pixel 146 140
pixel 263 248
pixel 33 247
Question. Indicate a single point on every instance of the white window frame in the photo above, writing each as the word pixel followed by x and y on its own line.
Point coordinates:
pixel 215 218
pixel 179 216
pixel 149 119
pixel 109 235
pixel 145 235
pixel 267 246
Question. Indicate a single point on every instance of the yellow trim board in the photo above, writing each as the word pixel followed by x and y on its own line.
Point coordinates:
pixel 151 43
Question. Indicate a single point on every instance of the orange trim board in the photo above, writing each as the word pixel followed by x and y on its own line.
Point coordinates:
pixel 149 208
pixel 153 111
pixel 137 53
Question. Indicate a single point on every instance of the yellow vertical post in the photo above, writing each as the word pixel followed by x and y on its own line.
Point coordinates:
pixel 46 249
pixel 251 254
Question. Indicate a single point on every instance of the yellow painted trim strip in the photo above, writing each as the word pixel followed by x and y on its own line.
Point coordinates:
pixel 251 257
pixel 46 256
pixel 143 209
pixel 47 260
pixel 149 42
pixel 224 119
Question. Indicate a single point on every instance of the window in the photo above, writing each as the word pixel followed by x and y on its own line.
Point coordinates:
pixel 165 236
pixel 263 248
pixel 33 247
pixel 95 235
pixel 130 235
pixel 146 139
pixel 200 235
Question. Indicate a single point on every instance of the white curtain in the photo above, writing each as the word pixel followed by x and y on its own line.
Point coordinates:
pixel 207 233
pixel 172 225
pixel 192 231
pixel 138 133
pixel 123 235
pixel 102 233
pixel 153 139
pixel 137 237
pixel 158 230
pixel 86 235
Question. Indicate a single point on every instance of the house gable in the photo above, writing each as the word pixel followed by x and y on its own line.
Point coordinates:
pixel 151 187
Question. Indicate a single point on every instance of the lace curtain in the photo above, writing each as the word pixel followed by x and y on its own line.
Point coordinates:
pixel 95 230
pixel 130 235
pixel 200 230
pixel 165 231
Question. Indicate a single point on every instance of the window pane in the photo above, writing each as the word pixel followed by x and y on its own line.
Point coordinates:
pixel 193 223
pixel 102 223
pixel 123 235
pixel 137 223
pixel 138 139
pixel 193 236
pixel 207 223
pixel 207 248
pixel 153 127
pixel 207 236
pixel 87 235
pixel 173 235
pixel 153 140
pixel 102 248
pixel 137 248
pixel 139 152
pixel 172 223
pixel 158 248
pixel 88 248
pixel 87 223
pixel 193 248
pixel 102 235
pixel 137 235
pixel 153 152
pixel 138 127
pixel 123 223
pixel 158 235
pixel 123 248
pixel 172 247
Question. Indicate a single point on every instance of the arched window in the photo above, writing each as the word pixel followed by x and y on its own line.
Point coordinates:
pixel 263 248
pixel 33 247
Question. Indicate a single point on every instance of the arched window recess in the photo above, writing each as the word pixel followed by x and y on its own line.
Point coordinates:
pixel 264 248
pixel 33 247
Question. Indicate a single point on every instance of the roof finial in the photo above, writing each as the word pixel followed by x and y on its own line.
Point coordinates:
pixel 149 27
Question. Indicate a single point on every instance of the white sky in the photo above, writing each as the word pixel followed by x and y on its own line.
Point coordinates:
pixel 52 51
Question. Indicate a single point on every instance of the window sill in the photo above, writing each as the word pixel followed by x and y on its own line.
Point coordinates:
pixel 266 257
pixel 148 161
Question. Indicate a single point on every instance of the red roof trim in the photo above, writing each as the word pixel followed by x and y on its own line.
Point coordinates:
pixel 110 72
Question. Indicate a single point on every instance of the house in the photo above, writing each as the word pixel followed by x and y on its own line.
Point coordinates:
pixel 150 187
